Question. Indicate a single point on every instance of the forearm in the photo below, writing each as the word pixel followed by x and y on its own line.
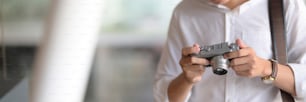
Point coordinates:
pixel 179 89
pixel 285 79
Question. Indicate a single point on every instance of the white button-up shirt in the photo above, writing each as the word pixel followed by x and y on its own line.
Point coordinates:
pixel 198 21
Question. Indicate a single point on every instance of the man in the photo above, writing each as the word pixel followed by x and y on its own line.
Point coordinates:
pixel 181 77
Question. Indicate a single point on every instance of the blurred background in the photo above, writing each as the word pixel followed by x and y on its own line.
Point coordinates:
pixel 130 41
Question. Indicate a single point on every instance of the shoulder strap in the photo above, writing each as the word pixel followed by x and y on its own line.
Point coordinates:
pixel 278 36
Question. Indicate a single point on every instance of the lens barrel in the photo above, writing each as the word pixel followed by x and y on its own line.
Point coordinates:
pixel 219 65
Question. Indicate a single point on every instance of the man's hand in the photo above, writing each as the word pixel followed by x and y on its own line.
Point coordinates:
pixel 246 63
pixel 193 67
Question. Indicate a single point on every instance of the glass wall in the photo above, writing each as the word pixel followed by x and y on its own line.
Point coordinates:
pixel 132 35
pixel 21 26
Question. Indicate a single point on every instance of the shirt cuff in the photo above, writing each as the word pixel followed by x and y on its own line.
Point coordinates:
pixel 299 71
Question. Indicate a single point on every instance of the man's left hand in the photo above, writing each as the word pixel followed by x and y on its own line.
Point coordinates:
pixel 246 63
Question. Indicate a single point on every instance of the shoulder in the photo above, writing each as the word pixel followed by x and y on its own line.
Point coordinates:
pixel 294 4
pixel 295 11
pixel 191 8
pixel 183 6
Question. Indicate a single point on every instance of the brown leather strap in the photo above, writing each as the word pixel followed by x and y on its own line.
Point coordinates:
pixel 278 36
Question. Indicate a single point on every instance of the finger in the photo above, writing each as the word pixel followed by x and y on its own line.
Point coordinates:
pixel 239 53
pixel 194 68
pixel 196 45
pixel 241 68
pixel 186 61
pixel 242 73
pixel 241 44
pixel 239 61
pixel 190 50
pixel 246 74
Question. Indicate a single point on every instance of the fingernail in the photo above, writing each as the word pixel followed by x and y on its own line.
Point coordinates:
pixel 225 56
pixel 198 49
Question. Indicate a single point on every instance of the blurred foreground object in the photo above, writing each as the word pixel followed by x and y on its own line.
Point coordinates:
pixel 64 59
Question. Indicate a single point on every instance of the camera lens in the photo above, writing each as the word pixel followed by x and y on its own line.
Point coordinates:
pixel 219 65
pixel 220 71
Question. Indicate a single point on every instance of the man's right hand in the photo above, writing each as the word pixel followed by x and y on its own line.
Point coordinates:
pixel 193 67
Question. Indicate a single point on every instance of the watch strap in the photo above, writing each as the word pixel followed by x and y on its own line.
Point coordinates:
pixel 274 68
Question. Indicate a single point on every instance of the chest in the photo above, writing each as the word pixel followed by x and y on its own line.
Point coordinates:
pixel 208 26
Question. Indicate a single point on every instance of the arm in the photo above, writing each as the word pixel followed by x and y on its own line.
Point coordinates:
pixel 178 89
pixel 285 79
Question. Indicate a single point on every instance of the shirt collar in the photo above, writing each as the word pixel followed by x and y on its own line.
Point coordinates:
pixel 217 5
pixel 242 8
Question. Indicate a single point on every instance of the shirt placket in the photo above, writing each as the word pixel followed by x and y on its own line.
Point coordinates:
pixel 230 77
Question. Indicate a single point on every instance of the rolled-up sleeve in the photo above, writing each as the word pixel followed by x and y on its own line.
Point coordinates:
pixel 300 80
pixel 296 31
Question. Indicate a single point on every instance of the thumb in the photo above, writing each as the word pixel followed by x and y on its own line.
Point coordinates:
pixel 241 44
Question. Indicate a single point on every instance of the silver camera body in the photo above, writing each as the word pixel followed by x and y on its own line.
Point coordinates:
pixel 215 53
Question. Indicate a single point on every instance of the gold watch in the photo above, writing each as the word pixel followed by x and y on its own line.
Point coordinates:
pixel 270 78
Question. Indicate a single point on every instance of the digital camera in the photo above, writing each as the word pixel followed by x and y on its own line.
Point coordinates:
pixel 215 53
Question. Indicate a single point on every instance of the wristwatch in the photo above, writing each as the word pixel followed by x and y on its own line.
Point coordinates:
pixel 270 78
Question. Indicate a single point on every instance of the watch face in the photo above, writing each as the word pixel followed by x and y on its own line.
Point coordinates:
pixel 267 80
